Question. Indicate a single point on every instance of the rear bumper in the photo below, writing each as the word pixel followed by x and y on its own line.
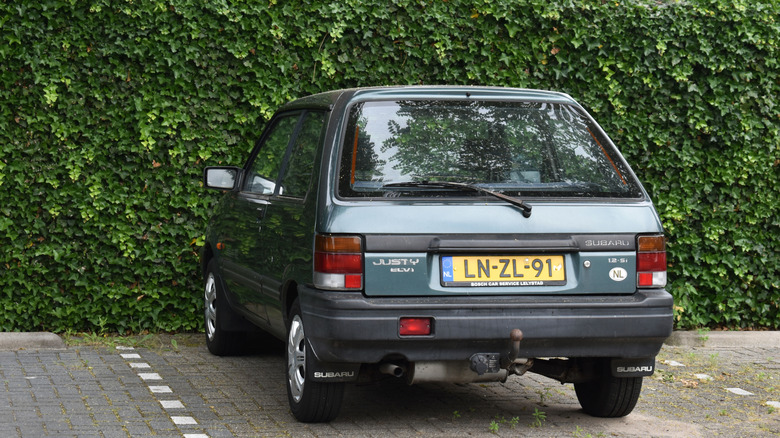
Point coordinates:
pixel 347 327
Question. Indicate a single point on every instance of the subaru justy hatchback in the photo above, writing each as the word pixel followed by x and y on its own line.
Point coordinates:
pixel 438 233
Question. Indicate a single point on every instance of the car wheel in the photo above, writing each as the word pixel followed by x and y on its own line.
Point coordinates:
pixel 219 341
pixel 310 402
pixel 608 396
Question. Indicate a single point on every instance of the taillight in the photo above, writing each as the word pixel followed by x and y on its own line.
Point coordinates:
pixel 338 262
pixel 651 261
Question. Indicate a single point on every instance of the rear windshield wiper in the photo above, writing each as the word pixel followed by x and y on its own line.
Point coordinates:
pixel 524 208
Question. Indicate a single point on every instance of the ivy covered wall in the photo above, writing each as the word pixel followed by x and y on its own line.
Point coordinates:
pixel 109 110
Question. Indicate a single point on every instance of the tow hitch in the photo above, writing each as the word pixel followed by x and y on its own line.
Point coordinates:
pixel 482 363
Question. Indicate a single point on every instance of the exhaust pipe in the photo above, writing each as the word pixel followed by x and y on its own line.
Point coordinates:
pixel 392 369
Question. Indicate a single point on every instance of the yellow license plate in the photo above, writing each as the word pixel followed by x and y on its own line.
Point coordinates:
pixel 503 270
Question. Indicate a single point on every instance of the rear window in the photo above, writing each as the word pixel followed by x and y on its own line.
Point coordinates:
pixel 517 148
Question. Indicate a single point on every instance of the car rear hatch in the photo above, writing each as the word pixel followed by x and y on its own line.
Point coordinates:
pixel 483 194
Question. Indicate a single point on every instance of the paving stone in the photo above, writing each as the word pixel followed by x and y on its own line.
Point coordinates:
pixel 94 391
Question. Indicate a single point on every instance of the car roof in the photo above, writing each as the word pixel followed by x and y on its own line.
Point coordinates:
pixel 460 92
pixel 448 92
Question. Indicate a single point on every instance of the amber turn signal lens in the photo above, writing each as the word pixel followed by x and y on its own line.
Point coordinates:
pixel 651 244
pixel 339 244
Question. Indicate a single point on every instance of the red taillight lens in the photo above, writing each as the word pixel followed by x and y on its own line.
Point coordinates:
pixel 651 261
pixel 414 326
pixel 338 262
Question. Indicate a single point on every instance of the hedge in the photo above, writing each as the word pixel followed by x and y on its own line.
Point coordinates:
pixel 109 110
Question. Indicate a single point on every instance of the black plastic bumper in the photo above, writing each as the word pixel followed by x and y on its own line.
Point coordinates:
pixel 347 327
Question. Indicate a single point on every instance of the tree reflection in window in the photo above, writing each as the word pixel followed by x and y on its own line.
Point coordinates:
pixel 534 149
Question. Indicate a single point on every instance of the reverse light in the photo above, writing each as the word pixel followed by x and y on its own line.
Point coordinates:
pixel 338 262
pixel 651 261
pixel 414 326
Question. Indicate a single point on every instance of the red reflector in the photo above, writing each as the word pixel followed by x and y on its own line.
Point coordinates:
pixel 645 279
pixel 651 261
pixel 338 263
pixel 414 326
pixel 353 281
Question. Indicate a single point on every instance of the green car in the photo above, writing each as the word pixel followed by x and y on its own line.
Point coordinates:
pixel 438 233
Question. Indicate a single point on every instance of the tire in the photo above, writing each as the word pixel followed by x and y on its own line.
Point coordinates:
pixel 310 402
pixel 217 312
pixel 608 396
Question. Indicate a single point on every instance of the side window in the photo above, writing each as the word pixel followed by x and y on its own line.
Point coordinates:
pixel 264 170
pixel 297 175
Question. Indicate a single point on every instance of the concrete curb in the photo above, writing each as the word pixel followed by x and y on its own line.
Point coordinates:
pixel 768 339
pixel 30 341
pixel 761 339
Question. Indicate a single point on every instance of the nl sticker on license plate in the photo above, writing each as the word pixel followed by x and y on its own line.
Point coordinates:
pixel 503 270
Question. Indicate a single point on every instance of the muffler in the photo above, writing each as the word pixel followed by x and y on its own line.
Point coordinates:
pixel 452 372
pixel 481 367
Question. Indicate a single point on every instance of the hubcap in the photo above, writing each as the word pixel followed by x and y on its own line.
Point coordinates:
pixel 296 359
pixel 211 307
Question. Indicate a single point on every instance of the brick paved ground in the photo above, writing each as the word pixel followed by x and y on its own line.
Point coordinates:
pixel 172 387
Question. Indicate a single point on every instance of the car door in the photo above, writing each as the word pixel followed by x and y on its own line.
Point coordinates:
pixel 246 250
pixel 288 223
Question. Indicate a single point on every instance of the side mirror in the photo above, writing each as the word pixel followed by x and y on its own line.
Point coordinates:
pixel 222 178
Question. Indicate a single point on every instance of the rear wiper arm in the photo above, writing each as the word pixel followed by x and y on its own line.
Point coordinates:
pixel 524 208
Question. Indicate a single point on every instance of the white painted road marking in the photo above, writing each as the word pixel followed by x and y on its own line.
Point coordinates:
pixel 739 391
pixel 161 389
pixel 149 376
pixel 172 404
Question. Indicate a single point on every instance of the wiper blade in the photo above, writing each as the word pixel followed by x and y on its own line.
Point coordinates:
pixel 524 208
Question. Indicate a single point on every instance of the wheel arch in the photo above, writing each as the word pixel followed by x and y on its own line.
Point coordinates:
pixel 206 254
pixel 289 295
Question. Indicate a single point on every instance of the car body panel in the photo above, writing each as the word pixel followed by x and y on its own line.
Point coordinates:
pixel 453 218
